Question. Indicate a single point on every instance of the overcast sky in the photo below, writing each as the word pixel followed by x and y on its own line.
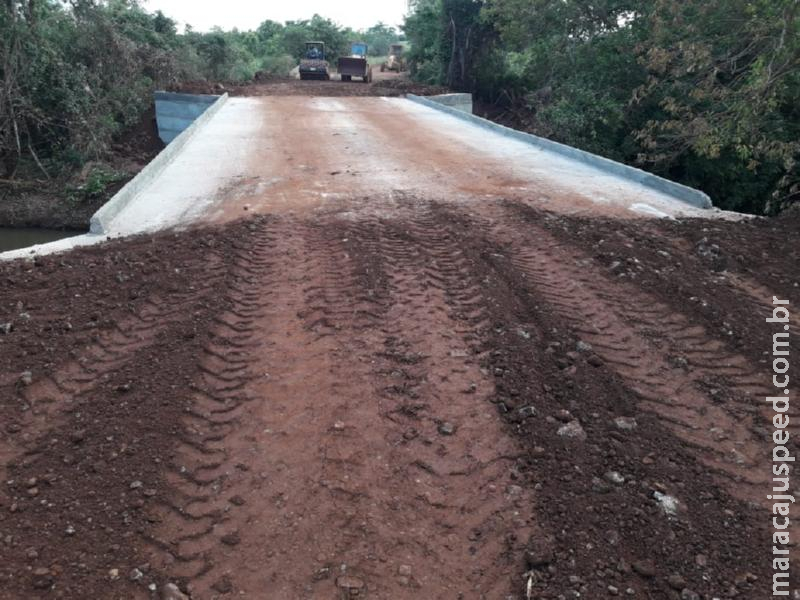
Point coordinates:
pixel 202 15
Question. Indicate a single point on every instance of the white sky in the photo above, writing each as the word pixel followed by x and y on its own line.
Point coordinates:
pixel 202 15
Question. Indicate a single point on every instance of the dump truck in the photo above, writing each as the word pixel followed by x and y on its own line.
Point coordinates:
pixel 356 64
pixel 395 62
pixel 314 65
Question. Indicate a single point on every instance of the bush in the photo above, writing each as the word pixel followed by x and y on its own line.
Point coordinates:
pixel 279 65
pixel 76 78
pixel 427 71
pixel 96 183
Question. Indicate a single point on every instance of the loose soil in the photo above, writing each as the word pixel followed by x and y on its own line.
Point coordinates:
pixel 437 399
pixel 383 84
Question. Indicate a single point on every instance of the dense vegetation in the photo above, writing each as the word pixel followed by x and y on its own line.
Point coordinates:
pixel 702 91
pixel 76 75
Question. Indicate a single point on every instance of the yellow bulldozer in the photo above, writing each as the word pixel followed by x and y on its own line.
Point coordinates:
pixel 395 62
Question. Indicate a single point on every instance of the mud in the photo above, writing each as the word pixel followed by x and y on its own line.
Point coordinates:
pixel 366 398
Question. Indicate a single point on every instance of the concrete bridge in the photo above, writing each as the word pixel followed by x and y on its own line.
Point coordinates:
pixel 267 154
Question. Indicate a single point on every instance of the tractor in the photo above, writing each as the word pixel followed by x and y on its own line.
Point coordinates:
pixel 314 65
pixel 395 62
pixel 356 64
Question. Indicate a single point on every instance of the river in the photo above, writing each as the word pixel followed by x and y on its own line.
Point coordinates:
pixel 13 238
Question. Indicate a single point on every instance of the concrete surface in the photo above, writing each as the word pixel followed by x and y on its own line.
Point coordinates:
pixel 670 188
pixel 176 112
pixel 306 152
pixel 289 154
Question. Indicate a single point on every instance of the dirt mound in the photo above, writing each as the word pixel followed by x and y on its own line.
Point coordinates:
pixel 140 143
pixel 383 85
pixel 442 401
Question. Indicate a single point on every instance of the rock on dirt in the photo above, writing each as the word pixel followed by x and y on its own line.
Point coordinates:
pixel 573 430
pixel 645 568
pixel 669 504
pixel 42 578
pixel 625 423
pixel 539 552
pixel 26 378
pixel 350 588
pixel 447 428
pixel 173 592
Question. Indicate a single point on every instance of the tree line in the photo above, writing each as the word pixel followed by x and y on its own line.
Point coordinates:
pixel 75 75
pixel 701 91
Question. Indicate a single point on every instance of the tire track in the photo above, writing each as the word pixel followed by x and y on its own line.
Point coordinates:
pixel 267 484
pixel 45 403
pixel 87 436
pixel 340 439
pixel 600 465
pixel 319 419
pixel 197 517
pixel 706 394
pixel 435 397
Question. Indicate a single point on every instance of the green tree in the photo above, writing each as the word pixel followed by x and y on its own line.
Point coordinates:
pixel 74 77
pixel 464 42
pixel 423 28
pixel 447 37
pixel 722 96
pixel 379 37
pixel 217 52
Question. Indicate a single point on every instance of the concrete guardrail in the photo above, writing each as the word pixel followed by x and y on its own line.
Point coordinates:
pixel 462 102
pixel 101 221
pixel 665 186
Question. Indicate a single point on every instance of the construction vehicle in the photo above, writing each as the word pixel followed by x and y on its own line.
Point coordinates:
pixel 395 62
pixel 314 65
pixel 356 64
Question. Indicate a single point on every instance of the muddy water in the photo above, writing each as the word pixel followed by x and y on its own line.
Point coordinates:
pixel 12 238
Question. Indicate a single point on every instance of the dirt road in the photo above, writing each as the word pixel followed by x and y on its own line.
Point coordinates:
pixel 400 386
